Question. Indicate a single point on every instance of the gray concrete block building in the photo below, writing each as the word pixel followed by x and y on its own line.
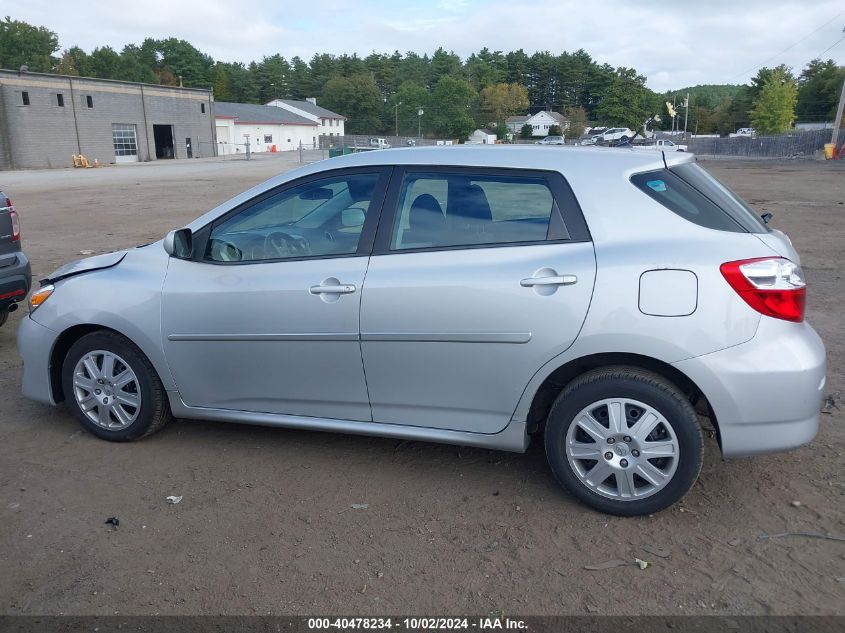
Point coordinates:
pixel 45 119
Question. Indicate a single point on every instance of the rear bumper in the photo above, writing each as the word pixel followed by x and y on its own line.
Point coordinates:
pixel 15 280
pixel 35 345
pixel 766 394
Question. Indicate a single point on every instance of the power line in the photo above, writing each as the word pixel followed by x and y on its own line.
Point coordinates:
pixel 836 43
pixel 791 46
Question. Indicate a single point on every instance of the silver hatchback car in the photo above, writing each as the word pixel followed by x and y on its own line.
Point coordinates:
pixel 604 299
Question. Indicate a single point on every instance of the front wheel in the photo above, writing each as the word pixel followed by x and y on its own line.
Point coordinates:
pixel 113 389
pixel 624 441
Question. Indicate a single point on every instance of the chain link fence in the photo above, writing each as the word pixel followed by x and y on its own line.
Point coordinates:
pixel 373 142
pixel 793 145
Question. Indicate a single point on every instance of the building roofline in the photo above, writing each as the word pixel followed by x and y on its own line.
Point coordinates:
pixel 292 102
pixel 242 122
pixel 96 79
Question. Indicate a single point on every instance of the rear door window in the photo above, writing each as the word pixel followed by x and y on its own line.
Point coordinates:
pixel 438 210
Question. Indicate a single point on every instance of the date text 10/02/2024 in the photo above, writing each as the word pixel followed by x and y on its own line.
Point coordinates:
pixel 416 623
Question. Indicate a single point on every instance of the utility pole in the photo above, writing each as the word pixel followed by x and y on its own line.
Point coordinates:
pixel 397 117
pixel 419 122
pixel 838 122
pixel 686 114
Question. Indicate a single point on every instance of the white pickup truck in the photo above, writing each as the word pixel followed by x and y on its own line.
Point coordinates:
pixel 664 145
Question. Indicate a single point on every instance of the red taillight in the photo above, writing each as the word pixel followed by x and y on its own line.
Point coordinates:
pixel 773 286
pixel 16 225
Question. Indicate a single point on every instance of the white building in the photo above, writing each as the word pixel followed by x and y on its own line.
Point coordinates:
pixel 482 137
pixel 540 123
pixel 811 126
pixel 276 127
pixel 329 123
pixel 262 127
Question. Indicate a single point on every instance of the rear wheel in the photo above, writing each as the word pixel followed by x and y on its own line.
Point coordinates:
pixel 112 388
pixel 624 441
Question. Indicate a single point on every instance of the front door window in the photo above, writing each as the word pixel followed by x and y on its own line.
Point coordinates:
pixel 318 219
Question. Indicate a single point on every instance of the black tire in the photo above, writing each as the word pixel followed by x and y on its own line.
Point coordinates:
pixel 643 386
pixel 154 410
pixel 624 139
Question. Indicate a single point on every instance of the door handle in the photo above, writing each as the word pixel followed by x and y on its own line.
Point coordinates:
pixel 342 289
pixel 558 280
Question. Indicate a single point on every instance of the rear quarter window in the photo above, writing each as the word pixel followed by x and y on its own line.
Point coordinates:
pixel 721 195
pixel 682 199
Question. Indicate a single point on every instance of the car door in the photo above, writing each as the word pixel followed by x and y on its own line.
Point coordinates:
pixel 478 277
pixel 264 317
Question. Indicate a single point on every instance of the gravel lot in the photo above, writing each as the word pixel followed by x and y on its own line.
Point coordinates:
pixel 265 525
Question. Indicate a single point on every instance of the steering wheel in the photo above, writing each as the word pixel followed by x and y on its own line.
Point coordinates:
pixel 223 251
pixel 286 245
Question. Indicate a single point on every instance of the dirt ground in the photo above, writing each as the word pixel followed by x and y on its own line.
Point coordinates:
pixel 265 525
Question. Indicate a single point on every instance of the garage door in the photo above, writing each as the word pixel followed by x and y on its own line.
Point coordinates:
pixel 125 141
pixel 224 143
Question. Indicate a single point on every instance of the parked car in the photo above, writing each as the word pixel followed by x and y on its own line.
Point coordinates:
pixel 616 134
pixel 591 140
pixel 664 145
pixel 488 297
pixel 379 143
pixel 15 274
pixel 551 140
pixel 746 131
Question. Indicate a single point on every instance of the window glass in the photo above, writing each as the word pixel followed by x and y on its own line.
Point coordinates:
pixel 124 139
pixel 684 200
pixel 25 98
pixel 457 209
pixel 723 196
pixel 321 218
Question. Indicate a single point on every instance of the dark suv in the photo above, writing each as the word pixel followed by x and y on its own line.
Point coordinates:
pixel 15 274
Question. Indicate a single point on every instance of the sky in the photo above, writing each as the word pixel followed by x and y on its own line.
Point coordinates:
pixel 674 44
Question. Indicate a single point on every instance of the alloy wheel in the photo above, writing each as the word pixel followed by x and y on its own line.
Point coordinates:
pixel 106 390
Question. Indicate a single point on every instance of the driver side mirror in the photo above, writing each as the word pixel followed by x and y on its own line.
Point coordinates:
pixel 179 244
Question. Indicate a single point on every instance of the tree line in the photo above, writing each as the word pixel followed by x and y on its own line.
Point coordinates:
pixel 771 102
pixel 384 93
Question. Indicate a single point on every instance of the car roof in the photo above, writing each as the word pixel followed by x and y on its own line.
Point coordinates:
pixel 504 156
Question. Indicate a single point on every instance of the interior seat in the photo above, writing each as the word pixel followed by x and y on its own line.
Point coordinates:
pixel 426 222
pixel 470 215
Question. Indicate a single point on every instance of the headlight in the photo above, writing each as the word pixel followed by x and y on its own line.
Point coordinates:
pixel 40 296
